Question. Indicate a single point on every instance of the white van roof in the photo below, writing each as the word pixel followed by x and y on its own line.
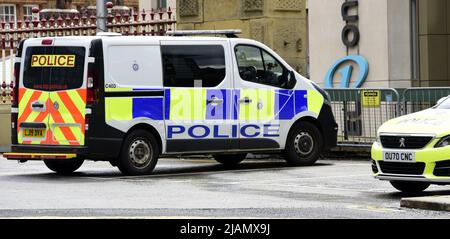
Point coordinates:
pixel 137 39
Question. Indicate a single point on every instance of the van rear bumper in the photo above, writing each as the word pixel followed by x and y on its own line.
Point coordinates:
pixel 37 156
pixel 48 149
pixel 99 149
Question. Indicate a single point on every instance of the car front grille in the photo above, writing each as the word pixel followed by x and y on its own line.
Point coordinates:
pixel 405 142
pixel 442 169
pixel 402 168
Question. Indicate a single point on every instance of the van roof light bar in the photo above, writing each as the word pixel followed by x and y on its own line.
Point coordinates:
pixel 230 33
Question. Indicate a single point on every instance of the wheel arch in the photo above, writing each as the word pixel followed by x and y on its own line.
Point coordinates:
pixel 150 129
pixel 308 119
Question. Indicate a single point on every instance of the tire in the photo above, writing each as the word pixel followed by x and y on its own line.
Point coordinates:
pixel 304 145
pixel 230 160
pixel 139 154
pixel 410 187
pixel 63 167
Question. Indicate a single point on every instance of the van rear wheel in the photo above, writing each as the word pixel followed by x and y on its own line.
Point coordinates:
pixel 410 187
pixel 230 160
pixel 139 154
pixel 304 145
pixel 63 167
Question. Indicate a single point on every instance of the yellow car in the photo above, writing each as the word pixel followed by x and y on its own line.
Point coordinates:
pixel 412 151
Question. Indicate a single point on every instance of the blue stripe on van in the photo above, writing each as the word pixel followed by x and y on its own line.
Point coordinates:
pixel 221 111
pixel 236 95
pixel 284 105
pixel 301 101
pixel 167 104
pixel 151 108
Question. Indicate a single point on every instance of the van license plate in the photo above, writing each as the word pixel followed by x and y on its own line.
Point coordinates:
pixel 395 156
pixel 33 133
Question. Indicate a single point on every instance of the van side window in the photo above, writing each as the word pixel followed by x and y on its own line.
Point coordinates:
pixel 258 66
pixel 193 65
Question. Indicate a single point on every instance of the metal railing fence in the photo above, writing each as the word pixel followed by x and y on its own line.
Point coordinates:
pixel 418 99
pixel 145 23
pixel 360 112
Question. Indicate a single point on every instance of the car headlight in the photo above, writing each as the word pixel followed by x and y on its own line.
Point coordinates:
pixel 378 140
pixel 324 93
pixel 444 142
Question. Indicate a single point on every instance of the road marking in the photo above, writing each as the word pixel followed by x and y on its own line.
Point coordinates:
pixel 169 175
pixel 373 208
pixel 137 217
pixel 23 173
pixel 325 190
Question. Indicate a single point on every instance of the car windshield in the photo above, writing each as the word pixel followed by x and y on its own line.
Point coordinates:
pixel 445 104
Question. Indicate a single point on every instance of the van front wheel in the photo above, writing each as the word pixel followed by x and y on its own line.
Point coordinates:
pixel 63 167
pixel 139 154
pixel 304 145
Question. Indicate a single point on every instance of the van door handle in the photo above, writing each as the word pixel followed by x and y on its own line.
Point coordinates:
pixel 37 105
pixel 215 101
pixel 245 101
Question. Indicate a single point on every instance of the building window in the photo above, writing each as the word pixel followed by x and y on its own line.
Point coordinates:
pixel 193 66
pixel 8 13
pixel 161 4
pixel 28 12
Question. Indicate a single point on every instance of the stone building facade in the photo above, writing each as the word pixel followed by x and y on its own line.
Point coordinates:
pixel 280 24
pixel 406 42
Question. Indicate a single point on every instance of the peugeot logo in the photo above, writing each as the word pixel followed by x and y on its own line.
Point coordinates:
pixel 402 143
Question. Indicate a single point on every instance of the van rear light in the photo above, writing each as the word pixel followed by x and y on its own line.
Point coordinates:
pixel 14 128
pixel 91 84
pixel 86 124
pixel 13 121
pixel 47 42
pixel 90 96
pixel 15 86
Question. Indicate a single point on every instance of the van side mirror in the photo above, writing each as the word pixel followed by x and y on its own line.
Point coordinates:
pixel 291 81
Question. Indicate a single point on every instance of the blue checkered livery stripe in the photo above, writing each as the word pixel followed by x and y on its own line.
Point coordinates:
pixel 288 103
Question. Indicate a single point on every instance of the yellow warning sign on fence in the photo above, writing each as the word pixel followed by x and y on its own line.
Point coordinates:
pixel 371 98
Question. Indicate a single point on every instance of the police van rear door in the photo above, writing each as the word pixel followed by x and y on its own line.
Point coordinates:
pixel 52 96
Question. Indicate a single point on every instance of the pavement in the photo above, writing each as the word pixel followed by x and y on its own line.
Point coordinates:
pixel 201 188
pixel 437 203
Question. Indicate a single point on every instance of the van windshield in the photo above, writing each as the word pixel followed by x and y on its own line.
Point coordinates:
pixel 54 68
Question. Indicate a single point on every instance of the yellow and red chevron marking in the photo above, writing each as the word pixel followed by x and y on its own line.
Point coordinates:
pixel 65 125
pixel 26 114
pixel 68 121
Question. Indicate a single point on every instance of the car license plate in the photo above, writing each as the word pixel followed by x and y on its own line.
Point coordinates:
pixel 33 133
pixel 399 156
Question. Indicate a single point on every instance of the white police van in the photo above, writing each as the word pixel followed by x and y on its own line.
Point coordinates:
pixel 130 100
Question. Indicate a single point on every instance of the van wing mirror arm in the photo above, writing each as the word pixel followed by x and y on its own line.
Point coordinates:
pixel 291 80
